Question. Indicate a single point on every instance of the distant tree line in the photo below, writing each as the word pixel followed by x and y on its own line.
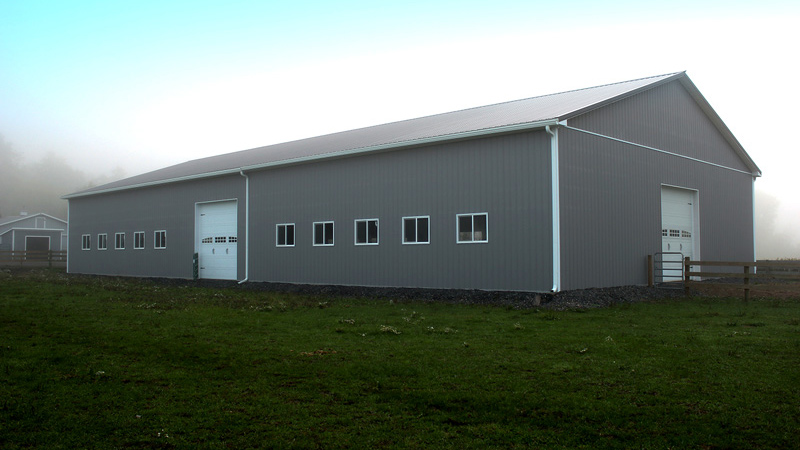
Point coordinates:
pixel 38 186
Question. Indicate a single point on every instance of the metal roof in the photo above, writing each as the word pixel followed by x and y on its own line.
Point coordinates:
pixel 535 112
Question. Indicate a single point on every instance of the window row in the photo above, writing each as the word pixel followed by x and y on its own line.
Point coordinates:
pixel 470 228
pixel 139 242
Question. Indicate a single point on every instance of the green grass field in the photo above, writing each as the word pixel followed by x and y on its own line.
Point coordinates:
pixel 118 363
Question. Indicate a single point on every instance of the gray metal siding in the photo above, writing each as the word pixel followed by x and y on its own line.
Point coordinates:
pixel 611 192
pixel 506 176
pixel 169 207
pixel 667 118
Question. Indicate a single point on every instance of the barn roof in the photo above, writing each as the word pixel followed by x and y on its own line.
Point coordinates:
pixel 530 113
pixel 7 220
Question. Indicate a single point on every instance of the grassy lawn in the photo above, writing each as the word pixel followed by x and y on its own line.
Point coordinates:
pixel 117 363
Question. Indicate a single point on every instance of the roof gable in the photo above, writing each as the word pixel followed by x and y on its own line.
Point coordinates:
pixel 8 222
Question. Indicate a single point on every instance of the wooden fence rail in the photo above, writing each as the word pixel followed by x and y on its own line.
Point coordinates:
pixel 789 270
pixel 23 257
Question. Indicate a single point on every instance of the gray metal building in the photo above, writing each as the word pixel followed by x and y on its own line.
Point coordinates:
pixel 32 232
pixel 557 192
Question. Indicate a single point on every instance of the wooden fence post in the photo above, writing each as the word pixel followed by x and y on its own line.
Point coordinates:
pixel 746 283
pixel 686 278
pixel 650 278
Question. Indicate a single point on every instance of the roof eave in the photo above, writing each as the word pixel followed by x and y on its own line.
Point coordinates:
pixel 332 155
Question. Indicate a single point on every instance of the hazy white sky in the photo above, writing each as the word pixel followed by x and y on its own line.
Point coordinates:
pixel 145 84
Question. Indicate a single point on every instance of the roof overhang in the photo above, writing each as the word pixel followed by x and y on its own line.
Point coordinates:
pixel 332 155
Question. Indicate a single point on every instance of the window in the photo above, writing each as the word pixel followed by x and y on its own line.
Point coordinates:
pixel 323 233
pixel 686 234
pixel 138 240
pixel 284 235
pixel 416 230
pixel 160 239
pixel 41 222
pixel 119 241
pixel 86 242
pixel 367 232
pixel 472 227
pixel 102 241
pixel 220 239
pixel 674 233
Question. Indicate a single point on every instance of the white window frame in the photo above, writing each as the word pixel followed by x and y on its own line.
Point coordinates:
pixel 416 230
pixel 118 241
pixel 160 244
pixel 137 235
pixel 285 227
pixel 367 222
pixel 314 234
pixel 86 242
pixel 102 241
pixel 472 240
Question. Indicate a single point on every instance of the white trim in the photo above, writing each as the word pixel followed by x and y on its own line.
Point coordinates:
pixel 83 241
pixel 62 239
pixel 116 240
pixel 36 222
pixel 163 241
pixel 144 244
pixel 377 231
pixel 753 198
pixel 278 234
pixel 36 229
pixel 37 215
pixel 314 233
pixel 485 239
pixel 657 150
pixel 246 228
pixel 331 155
pixel 555 205
pixel 106 241
pixel 416 219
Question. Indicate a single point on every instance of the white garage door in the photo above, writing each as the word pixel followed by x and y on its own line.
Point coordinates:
pixel 217 240
pixel 677 229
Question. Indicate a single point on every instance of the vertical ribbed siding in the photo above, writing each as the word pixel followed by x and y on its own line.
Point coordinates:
pixel 611 192
pixel 168 207
pixel 506 176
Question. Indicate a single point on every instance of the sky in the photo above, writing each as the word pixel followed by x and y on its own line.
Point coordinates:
pixel 146 84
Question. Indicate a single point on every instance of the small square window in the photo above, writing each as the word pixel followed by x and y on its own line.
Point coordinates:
pixel 416 230
pixel 160 239
pixel 102 241
pixel 86 242
pixel 472 228
pixel 284 235
pixel 119 241
pixel 323 233
pixel 138 240
pixel 366 232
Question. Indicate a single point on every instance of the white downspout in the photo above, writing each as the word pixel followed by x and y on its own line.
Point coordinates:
pixel 753 195
pixel 246 227
pixel 556 208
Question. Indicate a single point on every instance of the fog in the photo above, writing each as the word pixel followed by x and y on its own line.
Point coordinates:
pixel 37 186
